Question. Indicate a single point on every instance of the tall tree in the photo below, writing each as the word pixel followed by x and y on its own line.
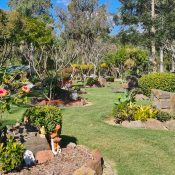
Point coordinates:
pixel 87 24
pixel 35 8
pixel 140 15
pixel 154 20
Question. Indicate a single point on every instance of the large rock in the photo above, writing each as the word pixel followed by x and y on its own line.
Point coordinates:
pixel 170 125
pixel 133 124
pixel 36 143
pixel 150 124
pixel 44 156
pixel 154 124
pixel 163 100
pixel 141 97
pixel 97 163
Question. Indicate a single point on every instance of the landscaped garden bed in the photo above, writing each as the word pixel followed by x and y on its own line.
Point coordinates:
pixel 74 159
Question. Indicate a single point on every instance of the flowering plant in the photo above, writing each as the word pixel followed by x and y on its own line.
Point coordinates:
pixel 12 91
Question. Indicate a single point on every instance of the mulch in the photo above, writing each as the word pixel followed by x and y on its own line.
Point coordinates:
pixel 70 159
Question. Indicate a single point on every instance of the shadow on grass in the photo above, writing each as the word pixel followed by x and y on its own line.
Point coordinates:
pixel 66 140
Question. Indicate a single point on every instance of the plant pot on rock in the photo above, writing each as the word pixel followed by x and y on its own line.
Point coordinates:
pixel 48 118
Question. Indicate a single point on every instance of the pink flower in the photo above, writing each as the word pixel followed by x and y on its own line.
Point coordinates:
pixel 26 89
pixel 3 92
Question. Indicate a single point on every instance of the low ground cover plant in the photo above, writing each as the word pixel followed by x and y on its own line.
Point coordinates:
pixel 162 81
pixel 47 116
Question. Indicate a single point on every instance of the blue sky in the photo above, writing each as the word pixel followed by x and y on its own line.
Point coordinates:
pixel 113 6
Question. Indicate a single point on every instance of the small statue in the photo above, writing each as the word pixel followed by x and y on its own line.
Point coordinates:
pixel 42 132
pixel 55 140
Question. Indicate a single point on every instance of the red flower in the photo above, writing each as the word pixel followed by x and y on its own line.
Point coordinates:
pixel 26 89
pixel 3 92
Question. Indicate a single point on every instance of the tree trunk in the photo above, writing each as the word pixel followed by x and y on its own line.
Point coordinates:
pixel 173 64
pixel 153 31
pixel 161 60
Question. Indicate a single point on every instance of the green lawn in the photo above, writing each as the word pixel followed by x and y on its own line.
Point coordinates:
pixel 130 151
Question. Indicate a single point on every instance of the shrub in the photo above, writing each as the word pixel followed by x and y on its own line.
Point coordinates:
pixel 162 81
pixel 124 111
pixel 92 81
pixel 144 113
pixel 110 79
pixel 165 116
pixel 11 155
pixel 47 116
pixel 131 112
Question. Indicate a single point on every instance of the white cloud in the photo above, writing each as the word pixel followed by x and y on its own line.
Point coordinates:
pixel 64 2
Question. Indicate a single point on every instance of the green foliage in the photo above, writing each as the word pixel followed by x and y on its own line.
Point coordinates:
pixel 129 59
pixel 162 81
pixel 145 112
pixel 120 114
pixel 165 116
pixel 131 112
pixel 92 81
pixel 35 31
pixel 11 87
pixel 109 79
pixel 39 8
pixel 11 155
pixel 120 110
pixel 126 97
pixel 47 116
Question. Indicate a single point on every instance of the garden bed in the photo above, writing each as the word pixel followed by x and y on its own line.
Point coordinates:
pixel 61 103
pixel 73 159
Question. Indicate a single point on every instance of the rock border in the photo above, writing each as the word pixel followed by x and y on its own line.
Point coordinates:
pixel 149 124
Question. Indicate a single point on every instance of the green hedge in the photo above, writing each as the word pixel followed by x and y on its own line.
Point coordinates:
pixel 162 81
pixel 47 116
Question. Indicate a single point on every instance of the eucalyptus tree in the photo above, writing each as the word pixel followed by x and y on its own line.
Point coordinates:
pixel 34 8
pixel 152 20
pixel 87 24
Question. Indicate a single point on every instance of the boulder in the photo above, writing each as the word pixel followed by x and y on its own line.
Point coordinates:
pixel 163 100
pixel 154 124
pixel 97 163
pixel 133 124
pixel 44 156
pixel 141 97
pixel 170 125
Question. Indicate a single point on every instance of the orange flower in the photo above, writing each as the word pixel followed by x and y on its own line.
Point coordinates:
pixel 26 89
pixel 3 92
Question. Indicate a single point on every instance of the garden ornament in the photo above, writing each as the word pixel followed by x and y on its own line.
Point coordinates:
pixel 29 158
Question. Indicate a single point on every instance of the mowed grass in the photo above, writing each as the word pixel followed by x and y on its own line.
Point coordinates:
pixel 130 151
